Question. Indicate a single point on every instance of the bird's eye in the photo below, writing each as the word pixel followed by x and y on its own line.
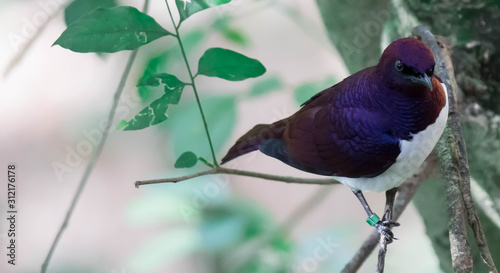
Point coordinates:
pixel 399 65
pixel 430 71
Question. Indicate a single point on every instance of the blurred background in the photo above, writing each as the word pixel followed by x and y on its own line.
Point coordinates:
pixel 53 103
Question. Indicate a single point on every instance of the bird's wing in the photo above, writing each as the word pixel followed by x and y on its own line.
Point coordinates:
pixel 341 138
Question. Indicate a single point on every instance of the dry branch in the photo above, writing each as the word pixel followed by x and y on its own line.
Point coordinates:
pixel 222 170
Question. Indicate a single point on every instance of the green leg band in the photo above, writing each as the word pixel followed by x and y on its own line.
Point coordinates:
pixel 373 219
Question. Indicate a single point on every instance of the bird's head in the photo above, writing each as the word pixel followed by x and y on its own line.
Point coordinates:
pixel 407 64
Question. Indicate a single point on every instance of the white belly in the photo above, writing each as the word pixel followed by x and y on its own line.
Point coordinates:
pixel 413 153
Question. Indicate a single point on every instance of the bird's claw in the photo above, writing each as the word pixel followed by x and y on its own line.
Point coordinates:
pixel 390 224
pixel 384 228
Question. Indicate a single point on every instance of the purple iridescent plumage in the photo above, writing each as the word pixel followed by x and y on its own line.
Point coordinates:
pixel 354 128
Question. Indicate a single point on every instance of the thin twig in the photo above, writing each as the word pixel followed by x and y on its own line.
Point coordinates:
pixel 222 170
pixel 389 206
pixel 381 254
pixel 20 54
pixel 455 168
pixel 184 55
pixel 95 156
pixel 406 192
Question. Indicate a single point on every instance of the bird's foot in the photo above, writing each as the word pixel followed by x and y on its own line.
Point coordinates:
pixel 384 228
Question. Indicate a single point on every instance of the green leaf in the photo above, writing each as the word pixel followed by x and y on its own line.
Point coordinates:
pixel 122 125
pixel 111 30
pixel 187 8
pixel 305 91
pixel 156 111
pixel 265 86
pixel 186 160
pixel 153 67
pixel 78 8
pixel 149 116
pixel 163 61
pixel 173 86
pixel 229 65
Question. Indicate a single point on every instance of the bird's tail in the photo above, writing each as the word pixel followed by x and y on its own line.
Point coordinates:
pixel 254 138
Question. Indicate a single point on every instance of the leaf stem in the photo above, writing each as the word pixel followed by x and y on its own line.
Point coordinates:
pixel 184 55
pixel 204 161
pixel 95 156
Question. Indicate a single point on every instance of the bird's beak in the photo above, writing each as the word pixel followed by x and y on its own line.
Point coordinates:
pixel 423 80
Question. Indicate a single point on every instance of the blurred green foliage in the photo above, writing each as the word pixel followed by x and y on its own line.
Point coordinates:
pixel 232 232
pixel 356 30
pixel 308 89
pixel 482 135
pixel 266 85
pixel 187 128
pixel 232 34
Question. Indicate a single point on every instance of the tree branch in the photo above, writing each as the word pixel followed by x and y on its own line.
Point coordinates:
pixel 448 154
pixel 95 156
pixel 455 168
pixel 381 254
pixel 389 206
pixel 463 163
pixel 222 170
pixel 406 192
